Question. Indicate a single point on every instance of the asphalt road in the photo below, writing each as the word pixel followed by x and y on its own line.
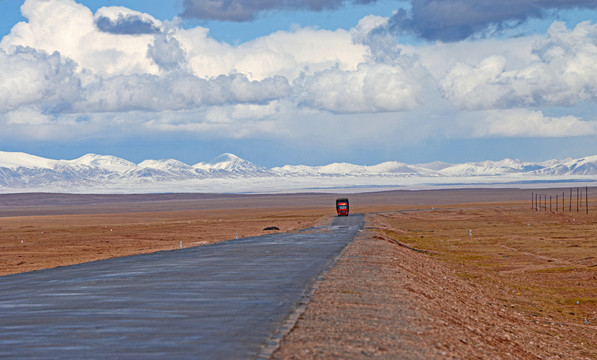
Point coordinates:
pixel 221 301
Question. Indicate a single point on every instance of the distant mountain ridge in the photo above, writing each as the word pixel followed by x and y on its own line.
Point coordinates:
pixel 231 164
pixel 21 171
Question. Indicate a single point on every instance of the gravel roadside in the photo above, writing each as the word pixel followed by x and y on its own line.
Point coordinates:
pixel 386 301
pixel 362 309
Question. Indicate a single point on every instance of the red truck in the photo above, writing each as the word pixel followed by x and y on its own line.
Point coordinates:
pixel 342 207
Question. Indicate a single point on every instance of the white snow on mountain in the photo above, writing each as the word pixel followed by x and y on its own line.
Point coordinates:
pixel 106 162
pixel 231 164
pixel 228 173
pixel 169 165
pixel 582 166
pixel 394 167
pixel 296 170
pixel 14 160
pixel 436 165
pixel 486 168
pixel 342 169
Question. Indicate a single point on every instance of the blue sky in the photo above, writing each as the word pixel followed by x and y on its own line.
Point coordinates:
pixel 286 82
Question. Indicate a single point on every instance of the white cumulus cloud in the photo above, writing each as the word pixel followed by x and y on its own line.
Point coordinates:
pixel 70 29
pixel 30 77
pixel 284 53
pixel 525 123
pixel 371 88
pixel 559 71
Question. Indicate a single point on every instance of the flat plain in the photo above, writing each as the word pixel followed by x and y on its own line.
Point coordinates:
pixel 472 273
pixel 40 231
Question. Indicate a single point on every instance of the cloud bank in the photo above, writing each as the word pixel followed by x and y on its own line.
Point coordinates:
pixel 70 72
pixel 524 123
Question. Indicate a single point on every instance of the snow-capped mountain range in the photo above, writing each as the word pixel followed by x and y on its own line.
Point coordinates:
pixel 105 173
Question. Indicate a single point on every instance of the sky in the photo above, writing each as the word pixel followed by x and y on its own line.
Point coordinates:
pixel 300 82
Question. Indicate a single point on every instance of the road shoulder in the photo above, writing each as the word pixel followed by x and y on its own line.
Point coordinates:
pixel 385 301
pixel 362 309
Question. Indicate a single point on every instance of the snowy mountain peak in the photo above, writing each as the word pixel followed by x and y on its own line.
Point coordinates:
pixel 225 158
pixel 107 162
pixel 587 159
pixel 583 166
pixel 229 162
pixel 14 160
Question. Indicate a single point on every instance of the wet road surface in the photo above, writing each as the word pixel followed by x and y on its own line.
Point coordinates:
pixel 221 301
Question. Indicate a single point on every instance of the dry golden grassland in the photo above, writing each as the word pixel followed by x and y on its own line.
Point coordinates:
pixel 30 243
pixel 543 264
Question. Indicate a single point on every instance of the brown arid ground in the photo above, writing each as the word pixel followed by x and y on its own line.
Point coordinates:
pixel 434 274
pixel 30 243
pixel 417 285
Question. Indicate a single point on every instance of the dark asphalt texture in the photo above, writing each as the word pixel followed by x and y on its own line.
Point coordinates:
pixel 220 301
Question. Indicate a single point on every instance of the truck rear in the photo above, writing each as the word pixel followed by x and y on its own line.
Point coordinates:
pixel 342 207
